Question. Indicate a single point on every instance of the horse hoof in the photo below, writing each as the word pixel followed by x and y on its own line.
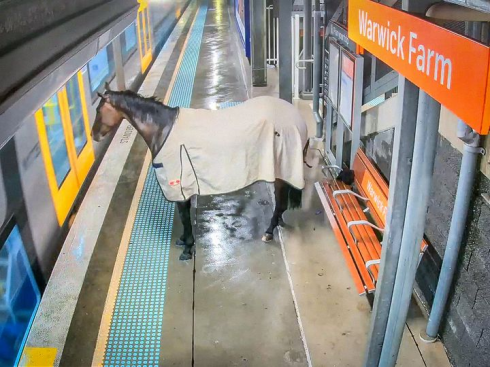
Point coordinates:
pixel 179 243
pixel 267 237
pixel 184 256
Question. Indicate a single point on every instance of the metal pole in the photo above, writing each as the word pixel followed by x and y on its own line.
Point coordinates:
pixel 307 43
pixel 464 192
pixel 317 68
pixel 276 41
pixel 399 184
pixel 118 63
pixel 274 38
pixel 268 33
pixel 424 154
pixel 285 50
pixel 259 57
pixel 455 238
pixel 296 54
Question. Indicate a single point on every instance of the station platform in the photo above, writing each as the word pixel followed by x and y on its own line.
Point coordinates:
pixel 119 296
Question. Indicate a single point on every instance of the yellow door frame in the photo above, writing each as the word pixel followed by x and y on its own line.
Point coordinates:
pixel 83 162
pixel 144 34
pixel 65 194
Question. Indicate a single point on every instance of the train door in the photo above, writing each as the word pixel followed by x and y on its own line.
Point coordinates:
pixel 144 35
pixel 19 295
pixel 64 135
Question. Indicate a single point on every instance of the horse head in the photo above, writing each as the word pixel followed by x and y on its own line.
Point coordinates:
pixel 107 117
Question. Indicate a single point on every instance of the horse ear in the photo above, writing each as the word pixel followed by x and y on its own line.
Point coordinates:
pixel 107 87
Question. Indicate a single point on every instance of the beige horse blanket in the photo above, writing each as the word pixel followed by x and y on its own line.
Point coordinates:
pixel 217 152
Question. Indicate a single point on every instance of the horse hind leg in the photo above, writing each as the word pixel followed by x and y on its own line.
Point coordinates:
pixel 187 238
pixel 281 193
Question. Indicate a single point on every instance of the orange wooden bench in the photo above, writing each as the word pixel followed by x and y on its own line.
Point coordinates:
pixel 358 217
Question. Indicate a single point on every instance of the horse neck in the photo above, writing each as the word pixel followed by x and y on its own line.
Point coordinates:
pixel 154 128
pixel 148 130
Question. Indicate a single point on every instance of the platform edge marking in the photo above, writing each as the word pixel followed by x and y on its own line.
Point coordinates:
pixel 51 311
pixel 38 357
pixel 105 325
pixel 179 61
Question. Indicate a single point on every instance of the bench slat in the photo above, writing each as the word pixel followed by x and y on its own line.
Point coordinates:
pixel 347 208
pixel 341 240
pixel 368 242
pixel 355 250
pixel 364 233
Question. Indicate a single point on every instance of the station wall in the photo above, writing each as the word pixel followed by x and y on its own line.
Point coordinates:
pixel 466 326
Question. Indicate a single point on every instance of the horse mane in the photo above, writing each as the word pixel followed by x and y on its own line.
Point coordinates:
pixel 135 103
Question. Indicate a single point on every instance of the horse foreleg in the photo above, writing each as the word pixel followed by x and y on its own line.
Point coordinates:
pixel 281 190
pixel 187 239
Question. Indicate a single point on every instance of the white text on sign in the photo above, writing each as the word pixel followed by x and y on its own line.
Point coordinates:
pixel 427 61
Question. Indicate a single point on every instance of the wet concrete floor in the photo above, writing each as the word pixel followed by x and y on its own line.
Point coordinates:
pixel 243 311
pixel 233 304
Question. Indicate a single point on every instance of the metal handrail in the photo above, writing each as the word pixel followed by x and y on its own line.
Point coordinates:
pixel 330 166
pixel 368 267
pixel 361 223
pixel 346 191
pixel 302 61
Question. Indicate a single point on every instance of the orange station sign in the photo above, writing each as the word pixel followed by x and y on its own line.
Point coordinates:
pixel 452 69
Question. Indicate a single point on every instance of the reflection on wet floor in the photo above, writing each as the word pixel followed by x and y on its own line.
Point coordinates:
pixel 244 312
pixel 219 77
pixel 240 301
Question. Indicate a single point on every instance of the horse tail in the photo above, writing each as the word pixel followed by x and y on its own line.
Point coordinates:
pixel 295 198
pixel 305 152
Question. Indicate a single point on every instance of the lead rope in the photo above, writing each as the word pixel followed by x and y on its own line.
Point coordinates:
pixel 194 286
pixel 305 152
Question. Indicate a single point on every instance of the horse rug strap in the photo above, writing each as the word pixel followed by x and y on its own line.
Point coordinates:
pixel 217 152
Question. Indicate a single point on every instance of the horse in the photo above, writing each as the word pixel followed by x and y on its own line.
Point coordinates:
pixel 206 152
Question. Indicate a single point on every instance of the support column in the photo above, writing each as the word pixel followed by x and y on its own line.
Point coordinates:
pixel 464 193
pixel 118 63
pixel 259 55
pixel 424 154
pixel 307 43
pixel 317 67
pixel 469 167
pixel 392 238
pixel 285 51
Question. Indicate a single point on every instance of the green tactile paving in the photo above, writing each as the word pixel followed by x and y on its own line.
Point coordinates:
pixel 136 325
pixel 182 89
pixel 134 337
pixel 224 105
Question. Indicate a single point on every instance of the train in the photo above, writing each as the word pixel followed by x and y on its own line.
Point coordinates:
pixel 47 156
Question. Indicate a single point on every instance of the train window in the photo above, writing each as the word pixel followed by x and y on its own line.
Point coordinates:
pixel 144 35
pixel 78 128
pixel 128 41
pixel 67 150
pixel 56 138
pixel 148 29
pixel 76 114
pixel 19 297
pixel 101 69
